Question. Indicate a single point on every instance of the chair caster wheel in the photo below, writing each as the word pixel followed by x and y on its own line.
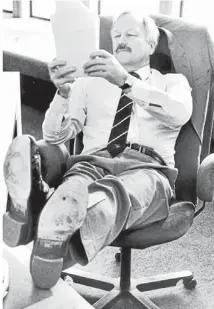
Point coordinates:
pixel 190 284
pixel 117 256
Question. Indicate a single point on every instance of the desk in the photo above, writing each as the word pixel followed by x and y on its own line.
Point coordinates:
pixel 22 292
pixel 24 295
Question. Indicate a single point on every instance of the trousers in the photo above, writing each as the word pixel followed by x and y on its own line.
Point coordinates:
pixel 129 191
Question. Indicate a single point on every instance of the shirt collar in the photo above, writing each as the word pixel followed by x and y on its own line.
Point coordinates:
pixel 144 72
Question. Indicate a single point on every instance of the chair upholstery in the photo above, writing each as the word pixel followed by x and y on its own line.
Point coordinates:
pixel 176 225
pixel 205 183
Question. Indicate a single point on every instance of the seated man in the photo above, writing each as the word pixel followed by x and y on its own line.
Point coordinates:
pixel 130 116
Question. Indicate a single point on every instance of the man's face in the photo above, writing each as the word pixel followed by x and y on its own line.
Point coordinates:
pixel 130 45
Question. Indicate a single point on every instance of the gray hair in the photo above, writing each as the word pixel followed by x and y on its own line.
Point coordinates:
pixel 148 23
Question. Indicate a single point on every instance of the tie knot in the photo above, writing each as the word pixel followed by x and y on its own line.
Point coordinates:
pixel 135 74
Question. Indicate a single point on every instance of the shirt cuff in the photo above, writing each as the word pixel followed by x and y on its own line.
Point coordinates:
pixel 141 90
pixel 60 104
pixel 135 94
pixel 143 93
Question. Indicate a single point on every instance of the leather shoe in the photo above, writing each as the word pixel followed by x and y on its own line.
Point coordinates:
pixel 61 217
pixel 27 191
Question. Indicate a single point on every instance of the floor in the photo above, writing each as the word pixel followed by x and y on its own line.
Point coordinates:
pixel 194 251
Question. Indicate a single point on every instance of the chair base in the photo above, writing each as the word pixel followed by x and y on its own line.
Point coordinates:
pixel 133 296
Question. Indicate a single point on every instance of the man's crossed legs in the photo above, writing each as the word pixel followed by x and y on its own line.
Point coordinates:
pixel 98 198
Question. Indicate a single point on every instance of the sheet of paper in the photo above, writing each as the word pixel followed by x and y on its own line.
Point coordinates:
pixel 76 33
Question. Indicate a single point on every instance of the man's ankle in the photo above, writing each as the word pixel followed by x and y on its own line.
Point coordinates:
pixel 76 252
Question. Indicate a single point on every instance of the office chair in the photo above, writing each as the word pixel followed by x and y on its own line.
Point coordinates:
pixel 193 182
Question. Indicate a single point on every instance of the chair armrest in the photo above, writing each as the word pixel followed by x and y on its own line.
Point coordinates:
pixel 53 162
pixel 205 179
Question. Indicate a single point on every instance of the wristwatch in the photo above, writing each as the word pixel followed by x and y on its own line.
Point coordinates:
pixel 128 83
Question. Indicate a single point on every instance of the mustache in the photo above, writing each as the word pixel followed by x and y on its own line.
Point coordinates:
pixel 123 46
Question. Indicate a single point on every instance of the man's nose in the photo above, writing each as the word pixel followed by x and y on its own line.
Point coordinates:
pixel 123 39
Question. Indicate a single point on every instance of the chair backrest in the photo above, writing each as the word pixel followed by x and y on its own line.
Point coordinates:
pixel 188 145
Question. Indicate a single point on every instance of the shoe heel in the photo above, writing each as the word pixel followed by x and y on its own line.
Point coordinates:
pixel 15 232
pixel 46 263
pixel 46 272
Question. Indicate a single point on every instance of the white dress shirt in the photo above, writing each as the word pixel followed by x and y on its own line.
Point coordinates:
pixel 162 104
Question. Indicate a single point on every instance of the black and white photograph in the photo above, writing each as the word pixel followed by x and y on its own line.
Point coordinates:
pixel 107 154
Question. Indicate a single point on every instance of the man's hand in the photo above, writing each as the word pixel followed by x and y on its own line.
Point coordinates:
pixel 104 64
pixel 62 76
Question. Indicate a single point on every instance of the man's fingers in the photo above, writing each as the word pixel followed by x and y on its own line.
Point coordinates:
pixel 61 82
pixel 61 72
pixel 100 53
pixel 56 63
pixel 63 75
pixel 95 68
pixel 97 61
pixel 97 74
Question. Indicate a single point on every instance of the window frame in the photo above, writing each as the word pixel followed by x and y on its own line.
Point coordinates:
pixel 99 9
pixel 6 10
pixel 35 16
pixel 48 19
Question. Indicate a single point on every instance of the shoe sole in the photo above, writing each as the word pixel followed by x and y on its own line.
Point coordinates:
pixel 17 221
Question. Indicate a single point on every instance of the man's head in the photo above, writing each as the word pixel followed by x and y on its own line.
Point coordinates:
pixel 134 39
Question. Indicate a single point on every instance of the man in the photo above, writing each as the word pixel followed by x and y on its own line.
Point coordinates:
pixel 130 116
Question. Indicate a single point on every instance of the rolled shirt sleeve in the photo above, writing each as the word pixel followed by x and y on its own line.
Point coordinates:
pixel 65 118
pixel 171 103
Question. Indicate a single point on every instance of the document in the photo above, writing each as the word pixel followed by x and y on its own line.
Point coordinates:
pixel 76 33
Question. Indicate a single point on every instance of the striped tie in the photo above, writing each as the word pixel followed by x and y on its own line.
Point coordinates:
pixel 119 131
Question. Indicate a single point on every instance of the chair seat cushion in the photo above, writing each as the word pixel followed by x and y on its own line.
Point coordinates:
pixel 178 222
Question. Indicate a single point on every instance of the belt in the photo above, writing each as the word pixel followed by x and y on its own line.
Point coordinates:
pixel 147 151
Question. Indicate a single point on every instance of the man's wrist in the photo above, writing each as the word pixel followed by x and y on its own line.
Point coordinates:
pixel 123 79
pixel 128 82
